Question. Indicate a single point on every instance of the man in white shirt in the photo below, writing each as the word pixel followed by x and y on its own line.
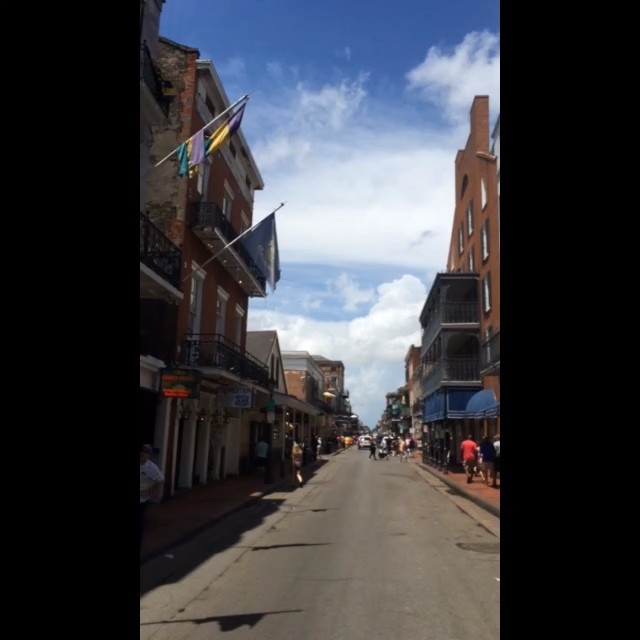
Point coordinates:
pixel 151 479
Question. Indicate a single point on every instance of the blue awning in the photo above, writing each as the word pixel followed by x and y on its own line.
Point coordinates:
pixel 457 402
pixel 483 405
pixel 434 407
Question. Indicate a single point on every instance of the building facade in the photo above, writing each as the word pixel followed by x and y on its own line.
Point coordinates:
pixel 211 427
pixel 160 258
pixel 475 247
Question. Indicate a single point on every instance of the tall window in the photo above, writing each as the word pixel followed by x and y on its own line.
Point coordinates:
pixel 483 192
pixel 239 324
pixel 486 293
pixel 203 180
pixel 485 240
pixel 227 202
pixel 472 261
pixel 195 297
pixel 461 238
pixel 470 218
pixel 221 311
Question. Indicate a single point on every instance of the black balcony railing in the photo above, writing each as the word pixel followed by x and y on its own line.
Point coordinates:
pixel 159 253
pixel 214 350
pixel 209 214
pixel 460 312
pixel 152 78
pixel 448 313
pixel 461 368
pixel 491 351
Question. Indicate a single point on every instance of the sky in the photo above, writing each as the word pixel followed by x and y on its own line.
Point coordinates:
pixel 356 113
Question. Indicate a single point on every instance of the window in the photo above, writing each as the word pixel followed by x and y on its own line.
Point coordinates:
pixel 195 298
pixel 488 334
pixel 227 201
pixel 472 261
pixel 485 240
pixel 232 149
pixel 486 293
pixel 470 218
pixel 239 324
pixel 461 238
pixel 244 222
pixel 483 193
pixel 221 311
pixel 203 180
pixel 465 182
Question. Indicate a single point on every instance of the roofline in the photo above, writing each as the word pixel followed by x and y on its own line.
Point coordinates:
pixel 177 45
pixel 207 65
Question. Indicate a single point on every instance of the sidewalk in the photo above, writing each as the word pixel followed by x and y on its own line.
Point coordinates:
pixel 185 515
pixel 486 497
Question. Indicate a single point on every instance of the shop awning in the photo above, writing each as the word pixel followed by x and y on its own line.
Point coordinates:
pixel 483 404
pixel 458 402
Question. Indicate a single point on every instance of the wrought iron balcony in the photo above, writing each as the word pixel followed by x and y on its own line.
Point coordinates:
pixel 207 218
pixel 214 350
pixel 158 252
pixel 491 354
pixel 449 313
pixel 451 369
pixel 150 75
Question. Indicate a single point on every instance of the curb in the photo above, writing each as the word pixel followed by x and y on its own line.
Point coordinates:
pixel 209 523
pixel 487 506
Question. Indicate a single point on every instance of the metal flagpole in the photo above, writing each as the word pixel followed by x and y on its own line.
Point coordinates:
pixel 236 103
pixel 213 257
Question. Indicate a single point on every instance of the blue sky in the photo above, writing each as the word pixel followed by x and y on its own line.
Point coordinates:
pixel 356 113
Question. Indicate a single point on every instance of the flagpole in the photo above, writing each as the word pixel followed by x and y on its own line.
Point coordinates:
pixel 235 104
pixel 213 257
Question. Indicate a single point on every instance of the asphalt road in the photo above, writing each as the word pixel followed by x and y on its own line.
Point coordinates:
pixel 365 550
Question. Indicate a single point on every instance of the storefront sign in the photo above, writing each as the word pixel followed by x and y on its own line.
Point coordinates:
pixel 180 383
pixel 238 398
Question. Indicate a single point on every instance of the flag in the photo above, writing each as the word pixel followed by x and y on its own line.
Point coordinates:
pixel 190 154
pixel 224 132
pixel 196 149
pixel 262 245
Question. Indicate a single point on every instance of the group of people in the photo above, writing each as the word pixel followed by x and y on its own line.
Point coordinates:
pixel 482 459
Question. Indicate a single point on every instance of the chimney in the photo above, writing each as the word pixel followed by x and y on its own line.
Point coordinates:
pixel 480 124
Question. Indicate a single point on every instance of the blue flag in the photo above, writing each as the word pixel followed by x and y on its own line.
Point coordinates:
pixel 262 245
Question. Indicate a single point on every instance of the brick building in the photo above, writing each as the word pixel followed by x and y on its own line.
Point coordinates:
pixel 210 436
pixel 475 245
pixel 160 258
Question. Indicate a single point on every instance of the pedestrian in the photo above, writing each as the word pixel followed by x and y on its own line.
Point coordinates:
pixel 469 455
pixel 488 453
pixel 296 460
pixel 151 479
pixel 262 453
pixel 496 444
pixel 372 449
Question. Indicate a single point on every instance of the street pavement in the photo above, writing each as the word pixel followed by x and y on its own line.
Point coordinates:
pixel 366 549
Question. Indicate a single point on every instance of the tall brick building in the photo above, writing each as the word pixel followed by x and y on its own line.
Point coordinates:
pixel 211 430
pixel 475 239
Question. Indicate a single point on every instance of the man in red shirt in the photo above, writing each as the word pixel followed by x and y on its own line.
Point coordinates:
pixel 469 451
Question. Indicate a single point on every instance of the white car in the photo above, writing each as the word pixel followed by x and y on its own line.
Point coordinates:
pixel 364 442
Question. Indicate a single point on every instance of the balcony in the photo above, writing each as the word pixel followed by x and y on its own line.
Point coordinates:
pixel 491 356
pixel 155 95
pixel 215 231
pixel 159 263
pixel 214 350
pixel 450 315
pixel 450 370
